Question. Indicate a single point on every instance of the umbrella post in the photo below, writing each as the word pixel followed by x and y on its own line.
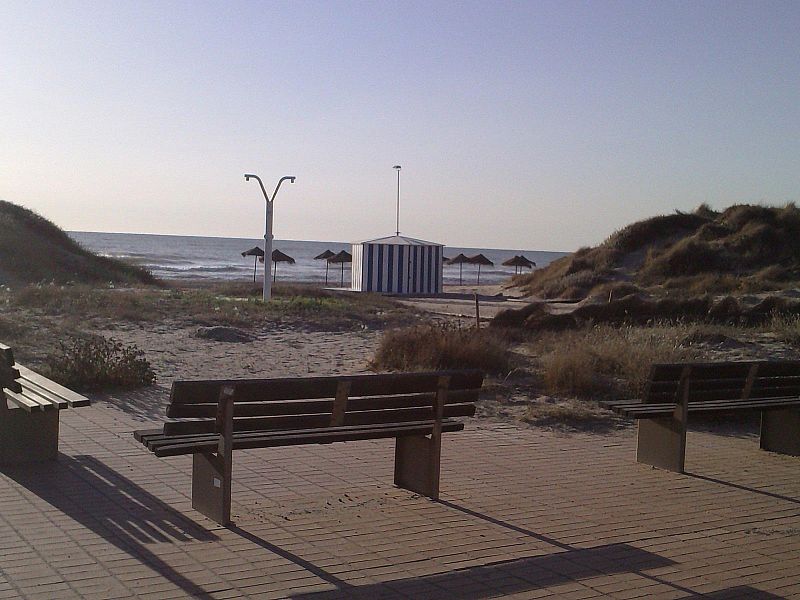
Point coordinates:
pixel 342 283
pixel 255 264
pixel 274 271
pixel 479 274
pixel 460 272
pixel 327 264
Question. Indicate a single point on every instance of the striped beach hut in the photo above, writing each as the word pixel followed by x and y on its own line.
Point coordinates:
pixel 397 265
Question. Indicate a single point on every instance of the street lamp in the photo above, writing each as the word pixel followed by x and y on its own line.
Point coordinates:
pixel 397 168
pixel 268 231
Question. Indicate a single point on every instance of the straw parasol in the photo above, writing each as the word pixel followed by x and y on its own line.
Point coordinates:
pixel 278 256
pixel 480 259
pixel 255 252
pixel 325 256
pixel 519 262
pixel 458 260
pixel 343 257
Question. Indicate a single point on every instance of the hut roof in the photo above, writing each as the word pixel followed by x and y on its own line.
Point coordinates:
pixel 460 259
pixel 401 240
pixel 324 255
pixel 255 251
pixel 343 257
pixel 519 261
pixel 480 259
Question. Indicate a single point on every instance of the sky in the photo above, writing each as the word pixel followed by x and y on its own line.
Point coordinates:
pixel 530 125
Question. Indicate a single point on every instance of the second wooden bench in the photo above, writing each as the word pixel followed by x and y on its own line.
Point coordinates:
pixel 675 390
pixel 212 418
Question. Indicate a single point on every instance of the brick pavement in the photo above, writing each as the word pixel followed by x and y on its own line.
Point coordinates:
pixel 524 514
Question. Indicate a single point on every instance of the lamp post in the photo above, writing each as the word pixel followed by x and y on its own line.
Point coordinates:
pixel 397 228
pixel 268 231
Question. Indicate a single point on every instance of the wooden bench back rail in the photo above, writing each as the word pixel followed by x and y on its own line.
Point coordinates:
pixel 724 381
pixel 316 402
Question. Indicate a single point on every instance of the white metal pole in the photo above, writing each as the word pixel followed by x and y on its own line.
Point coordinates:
pixel 267 293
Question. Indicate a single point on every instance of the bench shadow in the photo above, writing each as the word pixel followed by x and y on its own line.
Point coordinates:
pixel 511 576
pixel 737 593
pixel 145 404
pixel 743 487
pixel 114 508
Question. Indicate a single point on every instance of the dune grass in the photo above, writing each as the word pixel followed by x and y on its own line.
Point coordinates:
pixel 32 249
pixel 744 248
pixel 433 346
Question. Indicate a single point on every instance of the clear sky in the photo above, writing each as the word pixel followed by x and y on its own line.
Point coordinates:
pixel 536 125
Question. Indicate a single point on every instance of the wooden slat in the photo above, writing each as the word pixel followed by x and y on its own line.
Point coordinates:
pixel 155 437
pixel 324 406
pixel 74 399
pixel 340 403
pixel 31 389
pixel 288 438
pixel 23 401
pixel 308 388
pixel 365 417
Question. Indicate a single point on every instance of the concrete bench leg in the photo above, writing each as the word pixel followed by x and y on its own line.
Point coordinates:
pixel 211 487
pixel 416 464
pixel 780 431
pixel 28 437
pixel 662 443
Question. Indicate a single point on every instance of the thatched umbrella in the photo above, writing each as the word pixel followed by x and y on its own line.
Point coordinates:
pixel 255 253
pixel 458 260
pixel 480 259
pixel 278 256
pixel 519 262
pixel 343 257
pixel 325 256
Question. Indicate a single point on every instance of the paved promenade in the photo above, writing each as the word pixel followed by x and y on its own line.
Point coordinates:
pixel 524 514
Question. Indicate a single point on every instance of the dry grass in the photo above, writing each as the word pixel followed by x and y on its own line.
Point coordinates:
pixel 604 360
pixel 436 346
pixel 229 304
pixel 743 249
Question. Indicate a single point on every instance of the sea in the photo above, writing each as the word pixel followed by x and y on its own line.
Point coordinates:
pixel 191 258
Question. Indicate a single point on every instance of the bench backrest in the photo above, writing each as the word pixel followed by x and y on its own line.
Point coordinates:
pixel 724 380
pixel 312 402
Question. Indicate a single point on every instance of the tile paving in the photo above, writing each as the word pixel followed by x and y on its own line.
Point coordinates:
pixel 524 514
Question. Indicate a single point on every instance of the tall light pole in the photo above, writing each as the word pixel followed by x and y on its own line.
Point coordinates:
pixel 397 168
pixel 268 231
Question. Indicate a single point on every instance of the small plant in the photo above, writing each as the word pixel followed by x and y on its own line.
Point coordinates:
pixel 435 346
pixel 93 362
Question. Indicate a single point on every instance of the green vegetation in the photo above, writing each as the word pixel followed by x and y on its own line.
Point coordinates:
pixel 92 363
pixel 229 304
pixel 32 249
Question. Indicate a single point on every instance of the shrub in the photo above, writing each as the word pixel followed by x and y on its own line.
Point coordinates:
pixel 93 362
pixel 603 359
pixel 435 346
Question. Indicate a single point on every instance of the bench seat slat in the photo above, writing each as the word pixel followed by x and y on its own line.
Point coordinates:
pixel 636 410
pixel 309 388
pixel 43 396
pixel 322 406
pixel 290 438
pixel 156 437
pixel 366 417
pixel 74 399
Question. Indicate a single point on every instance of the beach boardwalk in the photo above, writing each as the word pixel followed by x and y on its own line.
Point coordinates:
pixel 525 513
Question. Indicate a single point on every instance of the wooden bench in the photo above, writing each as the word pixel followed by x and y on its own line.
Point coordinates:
pixel 210 419
pixel 675 390
pixel 29 406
